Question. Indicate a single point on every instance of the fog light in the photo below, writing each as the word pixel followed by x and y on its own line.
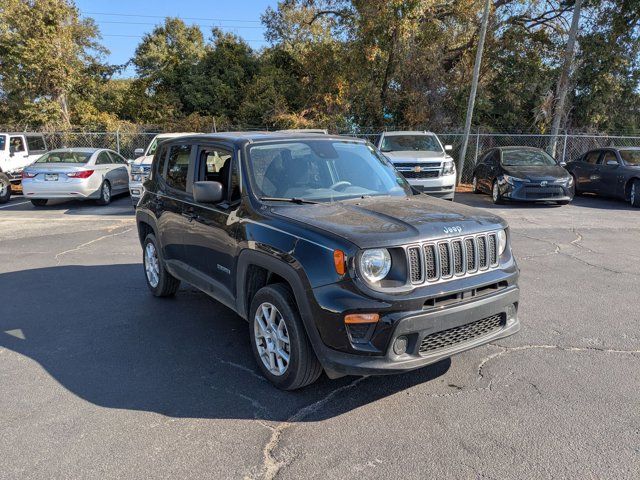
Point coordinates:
pixel 511 315
pixel 400 345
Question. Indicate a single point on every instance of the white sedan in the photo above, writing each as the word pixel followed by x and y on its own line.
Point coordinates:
pixel 81 173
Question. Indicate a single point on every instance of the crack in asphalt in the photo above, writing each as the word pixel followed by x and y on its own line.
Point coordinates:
pixel 91 242
pixel 271 466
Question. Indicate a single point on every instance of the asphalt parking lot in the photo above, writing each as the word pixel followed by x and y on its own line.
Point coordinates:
pixel 98 379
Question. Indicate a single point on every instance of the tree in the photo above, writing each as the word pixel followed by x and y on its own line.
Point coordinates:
pixel 46 53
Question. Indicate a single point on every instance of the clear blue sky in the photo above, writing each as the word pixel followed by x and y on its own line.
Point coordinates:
pixel 122 23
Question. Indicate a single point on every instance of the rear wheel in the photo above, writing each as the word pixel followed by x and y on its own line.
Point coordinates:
pixel 5 188
pixel 159 280
pixel 105 193
pixel 634 195
pixel 278 339
pixel 495 193
pixel 39 202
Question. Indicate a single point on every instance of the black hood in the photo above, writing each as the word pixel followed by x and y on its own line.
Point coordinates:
pixel 391 221
pixel 537 173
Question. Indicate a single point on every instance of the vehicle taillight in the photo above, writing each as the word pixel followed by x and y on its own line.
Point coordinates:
pixel 28 174
pixel 82 174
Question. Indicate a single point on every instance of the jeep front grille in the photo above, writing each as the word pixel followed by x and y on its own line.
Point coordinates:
pixel 464 333
pixel 440 260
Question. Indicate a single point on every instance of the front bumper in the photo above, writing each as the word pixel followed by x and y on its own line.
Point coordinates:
pixel 534 192
pixel 136 190
pixel 442 187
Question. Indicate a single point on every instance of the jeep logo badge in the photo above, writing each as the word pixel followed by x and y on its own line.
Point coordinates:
pixel 454 229
pixel 544 183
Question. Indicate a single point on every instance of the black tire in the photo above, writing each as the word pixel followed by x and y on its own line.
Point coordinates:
pixel 497 198
pixel 303 367
pixel 634 194
pixel 167 285
pixel 475 188
pixel 105 193
pixel 564 202
pixel 576 193
pixel 39 202
pixel 5 188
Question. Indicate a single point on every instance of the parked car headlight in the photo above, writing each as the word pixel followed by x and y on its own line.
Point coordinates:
pixel 502 242
pixel 512 180
pixel 375 264
pixel 449 168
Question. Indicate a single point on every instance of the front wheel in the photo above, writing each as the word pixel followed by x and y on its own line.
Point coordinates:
pixel 5 188
pixel 495 193
pixel 278 339
pixel 105 193
pixel 159 280
pixel 475 188
pixel 634 195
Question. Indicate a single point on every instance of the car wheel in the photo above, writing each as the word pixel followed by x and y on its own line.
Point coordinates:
pixel 159 280
pixel 39 202
pixel 105 193
pixel 475 188
pixel 278 339
pixel 634 195
pixel 563 202
pixel 574 188
pixel 5 188
pixel 495 193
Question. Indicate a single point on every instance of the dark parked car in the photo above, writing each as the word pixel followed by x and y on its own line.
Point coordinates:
pixel 325 249
pixel 523 174
pixel 612 172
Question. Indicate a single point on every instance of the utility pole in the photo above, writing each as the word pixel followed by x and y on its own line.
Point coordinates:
pixel 563 82
pixel 474 88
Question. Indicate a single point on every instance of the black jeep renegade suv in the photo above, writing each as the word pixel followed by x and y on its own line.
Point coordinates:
pixel 327 252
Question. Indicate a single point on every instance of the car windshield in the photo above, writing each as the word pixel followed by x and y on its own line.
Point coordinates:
pixel 631 157
pixel 322 170
pixel 3 141
pixel 152 147
pixel 415 143
pixel 67 156
pixel 526 158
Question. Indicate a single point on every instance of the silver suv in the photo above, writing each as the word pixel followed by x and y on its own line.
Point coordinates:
pixel 422 160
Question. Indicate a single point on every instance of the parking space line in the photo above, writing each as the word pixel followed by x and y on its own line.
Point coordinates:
pixel 15 204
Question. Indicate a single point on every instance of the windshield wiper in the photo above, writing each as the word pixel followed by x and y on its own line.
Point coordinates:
pixel 290 200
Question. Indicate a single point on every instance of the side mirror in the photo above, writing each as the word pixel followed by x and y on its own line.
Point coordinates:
pixel 208 192
pixel 562 163
pixel 448 148
pixel 612 163
pixel 138 152
pixel 130 162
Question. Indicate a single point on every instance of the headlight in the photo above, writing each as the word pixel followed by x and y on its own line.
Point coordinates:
pixel 512 180
pixel 449 168
pixel 502 242
pixel 375 264
pixel 569 180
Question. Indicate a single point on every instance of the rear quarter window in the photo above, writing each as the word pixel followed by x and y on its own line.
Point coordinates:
pixel 178 166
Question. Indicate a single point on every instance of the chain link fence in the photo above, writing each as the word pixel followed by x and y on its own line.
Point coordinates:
pixel 569 146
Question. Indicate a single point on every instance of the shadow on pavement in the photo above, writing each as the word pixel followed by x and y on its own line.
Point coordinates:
pixel 586 201
pixel 120 205
pixel 99 332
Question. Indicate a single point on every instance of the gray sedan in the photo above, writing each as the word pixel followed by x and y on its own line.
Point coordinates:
pixel 81 173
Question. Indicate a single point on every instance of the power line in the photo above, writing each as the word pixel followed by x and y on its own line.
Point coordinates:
pixel 193 24
pixel 165 16
pixel 142 36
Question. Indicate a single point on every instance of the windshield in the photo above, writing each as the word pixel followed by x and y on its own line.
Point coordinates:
pixel 526 158
pixel 152 147
pixel 65 157
pixel 631 157
pixel 322 170
pixel 415 143
pixel 3 141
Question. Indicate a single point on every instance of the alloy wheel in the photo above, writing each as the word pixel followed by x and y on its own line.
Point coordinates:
pixel 634 193
pixel 151 265
pixel 475 184
pixel 106 192
pixel 495 192
pixel 272 339
pixel 3 188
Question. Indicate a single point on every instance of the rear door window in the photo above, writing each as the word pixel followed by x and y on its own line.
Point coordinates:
pixel 103 159
pixel 115 158
pixel 592 157
pixel 178 166
pixel 36 144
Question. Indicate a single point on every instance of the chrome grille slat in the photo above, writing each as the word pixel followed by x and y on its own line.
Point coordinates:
pixel 442 260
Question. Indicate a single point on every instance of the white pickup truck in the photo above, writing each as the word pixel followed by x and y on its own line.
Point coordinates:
pixel 17 150
pixel 422 160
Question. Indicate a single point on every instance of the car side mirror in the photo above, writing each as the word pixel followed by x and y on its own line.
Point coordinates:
pixel 208 192
pixel 130 162
pixel 138 152
pixel 612 163
pixel 448 148
pixel 562 163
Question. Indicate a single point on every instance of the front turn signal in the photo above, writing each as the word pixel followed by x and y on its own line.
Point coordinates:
pixel 361 318
pixel 340 262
